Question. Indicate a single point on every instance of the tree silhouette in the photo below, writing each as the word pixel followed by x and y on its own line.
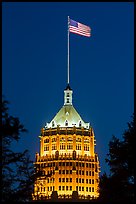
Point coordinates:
pixel 17 168
pixel 119 185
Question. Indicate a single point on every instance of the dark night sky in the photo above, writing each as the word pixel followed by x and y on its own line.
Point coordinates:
pixel 34 66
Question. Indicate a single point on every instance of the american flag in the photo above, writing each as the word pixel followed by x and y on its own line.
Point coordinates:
pixel 79 28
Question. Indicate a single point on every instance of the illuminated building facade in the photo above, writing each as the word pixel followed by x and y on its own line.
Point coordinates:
pixel 67 161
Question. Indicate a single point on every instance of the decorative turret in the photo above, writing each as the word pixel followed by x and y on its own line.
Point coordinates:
pixel 68 95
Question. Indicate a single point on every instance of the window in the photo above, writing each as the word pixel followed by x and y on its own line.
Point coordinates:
pixel 92 181
pixel 82 180
pixel 82 172
pixel 46 140
pixel 59 171
pixel 70 171
pixel 63 179
pixel 59 188
pixel 76 188
pixel 66 123
pixel 87 173
pixel 63 171
pixel 80 124
pixel 66 179
pixel 92 165
pixel 67 188
pixel 77 180
pixel 86 180
pixel 62 146
pixel 67 100
pixel 92 173
pixel 46 148
pixel 67 94
pixel 86 147
pixel 66 171
pixel 87 189
pixel 53 124
pixel 54 147
pixel 69 146
pixel 86 164
pixel 79 188
pixel 82 188
pixel 70 179
pixel 78 147
pixel 70 188
pixel 54 139
pixel 63 188
pixel 92 189
pixel 51 188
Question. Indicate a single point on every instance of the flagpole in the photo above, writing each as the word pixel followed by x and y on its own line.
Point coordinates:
pixel 68 51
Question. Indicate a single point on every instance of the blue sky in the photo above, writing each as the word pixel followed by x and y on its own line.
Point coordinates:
pixel 34 66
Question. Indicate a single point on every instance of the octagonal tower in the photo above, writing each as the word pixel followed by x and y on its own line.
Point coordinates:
pixel 67 164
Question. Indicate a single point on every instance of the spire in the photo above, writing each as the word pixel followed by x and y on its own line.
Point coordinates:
pixel 68 95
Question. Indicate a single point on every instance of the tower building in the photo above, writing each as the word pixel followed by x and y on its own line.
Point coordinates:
pixel 67 163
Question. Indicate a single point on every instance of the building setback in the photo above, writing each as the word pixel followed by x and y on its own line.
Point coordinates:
pixel 67 164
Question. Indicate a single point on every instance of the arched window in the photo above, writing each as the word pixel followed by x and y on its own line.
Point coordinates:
pixel 80 123
pixel 53 124
pixel 66 123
